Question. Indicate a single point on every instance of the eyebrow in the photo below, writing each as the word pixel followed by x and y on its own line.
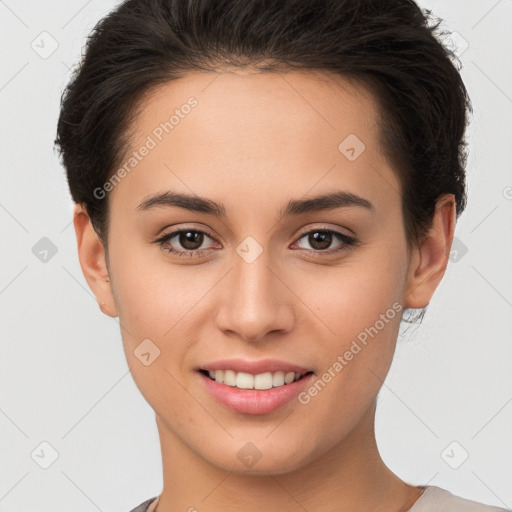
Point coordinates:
pixel 194 203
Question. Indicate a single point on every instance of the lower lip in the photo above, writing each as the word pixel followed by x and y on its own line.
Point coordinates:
pixel 252 401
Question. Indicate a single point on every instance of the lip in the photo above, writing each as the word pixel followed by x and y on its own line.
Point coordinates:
pixel 253 401
pixel 254 367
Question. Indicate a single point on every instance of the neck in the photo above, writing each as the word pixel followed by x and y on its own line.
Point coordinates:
pixel 350 476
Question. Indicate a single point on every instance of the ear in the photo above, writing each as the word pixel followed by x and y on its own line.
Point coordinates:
pixel 93 261
pixel 429 261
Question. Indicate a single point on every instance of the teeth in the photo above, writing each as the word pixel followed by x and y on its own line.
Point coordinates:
pixel 278 379
pixel 229 378
pixel 263 381
pixel 289 377
pixel 243 380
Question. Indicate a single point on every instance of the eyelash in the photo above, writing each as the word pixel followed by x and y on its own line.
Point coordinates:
pixel 348 242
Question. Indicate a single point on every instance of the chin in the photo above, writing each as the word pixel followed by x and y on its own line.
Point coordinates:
pixel 250 461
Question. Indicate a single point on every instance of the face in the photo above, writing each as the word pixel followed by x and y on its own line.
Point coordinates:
pixel 254 273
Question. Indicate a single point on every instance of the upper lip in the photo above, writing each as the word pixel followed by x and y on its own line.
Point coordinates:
pixel 254 367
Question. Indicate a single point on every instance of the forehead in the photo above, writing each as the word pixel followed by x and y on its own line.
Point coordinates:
pixel 294 104
pixel 259 133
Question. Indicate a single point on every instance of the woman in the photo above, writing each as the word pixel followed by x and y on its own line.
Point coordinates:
pixel 262 189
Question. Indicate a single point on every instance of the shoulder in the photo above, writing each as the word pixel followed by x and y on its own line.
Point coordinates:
pixel 440 500
pixel 434 499
pixel 144 507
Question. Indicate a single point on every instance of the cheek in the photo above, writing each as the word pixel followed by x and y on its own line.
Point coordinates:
pixel 351 297
pixel 153 295
pixel 355 322
pixel 157 305
pixel 355 360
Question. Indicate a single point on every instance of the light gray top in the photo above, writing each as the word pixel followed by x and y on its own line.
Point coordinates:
pixel 436 499
pixel 433 499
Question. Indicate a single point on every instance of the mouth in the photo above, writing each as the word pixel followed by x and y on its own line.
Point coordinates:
pixel 249 381
pixel 254 386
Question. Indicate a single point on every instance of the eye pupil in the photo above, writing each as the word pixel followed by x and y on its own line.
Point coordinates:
pixel 189 239
pixel 324 237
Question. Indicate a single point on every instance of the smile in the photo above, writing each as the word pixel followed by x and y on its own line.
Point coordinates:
pixel 261 381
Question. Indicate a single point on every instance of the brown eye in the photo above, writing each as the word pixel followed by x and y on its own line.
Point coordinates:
pixel 320 240
pixel 184 242
pixel 191 240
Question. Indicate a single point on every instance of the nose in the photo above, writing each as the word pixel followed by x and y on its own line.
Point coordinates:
pixel 255 301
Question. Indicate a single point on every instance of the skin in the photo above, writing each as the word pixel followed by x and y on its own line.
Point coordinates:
pixel 255 141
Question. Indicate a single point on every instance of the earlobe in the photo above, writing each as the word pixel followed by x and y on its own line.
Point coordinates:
pixel 429 260
pixel 91 255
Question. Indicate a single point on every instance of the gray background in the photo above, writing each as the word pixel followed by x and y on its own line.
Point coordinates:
pixel 63 376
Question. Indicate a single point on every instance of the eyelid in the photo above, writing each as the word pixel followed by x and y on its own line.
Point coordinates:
pixel 347 242
pixel 177 228
pixel 300 234
pixel 327 227
pixel 346 239
pixel 166 236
